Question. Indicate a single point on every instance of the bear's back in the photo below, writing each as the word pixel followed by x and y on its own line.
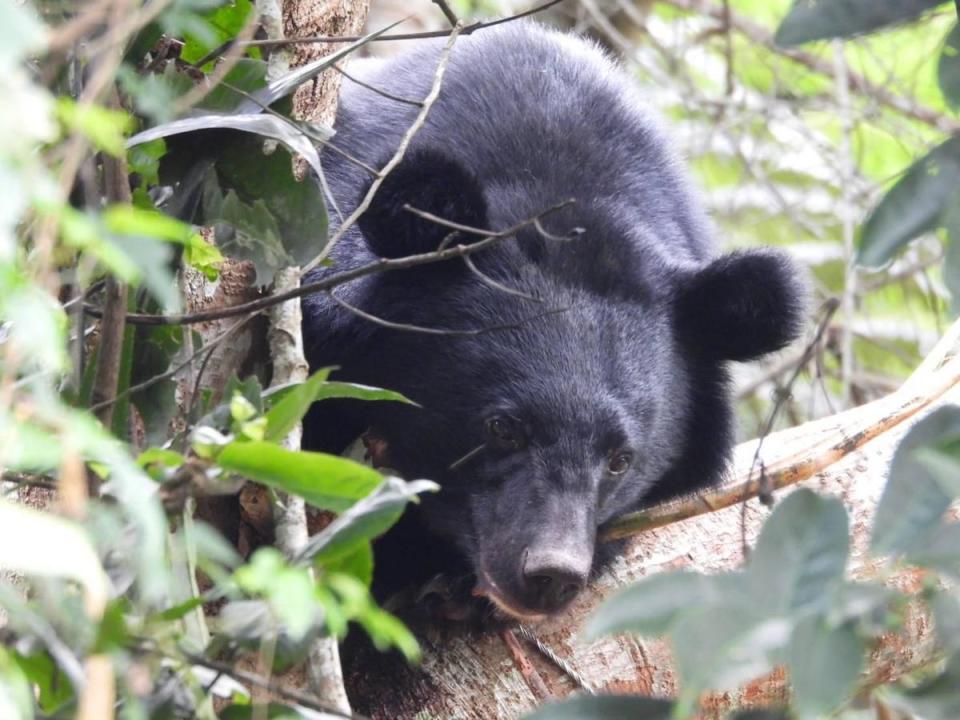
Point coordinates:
pixel 538 117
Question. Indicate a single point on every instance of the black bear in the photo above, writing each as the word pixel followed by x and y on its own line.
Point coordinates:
pixel 566 375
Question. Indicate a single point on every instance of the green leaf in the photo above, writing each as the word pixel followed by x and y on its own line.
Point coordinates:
pixel 289 591
pixel 293 405
pixel 297 208
pixel 822 19
pixel 53 686
pixel 222 24
pixel 649 606
pixel 145 160
pixel 335 389
pixel 368 518
pixel 605 707
pixel 103 127
pixel 825 666
pixel 802 550
pixel 16 695
pixel 325 481
pixel 948 67
pixel 913 500
pixel 358 563
pixel 913 206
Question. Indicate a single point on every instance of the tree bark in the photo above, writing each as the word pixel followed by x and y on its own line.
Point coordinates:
pixel 484 677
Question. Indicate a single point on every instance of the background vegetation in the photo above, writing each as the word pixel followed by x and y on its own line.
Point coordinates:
pixel 841 151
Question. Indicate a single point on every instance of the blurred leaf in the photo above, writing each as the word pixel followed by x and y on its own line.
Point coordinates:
pixel 275 711
pixel 761 715
pixel 946 618
pixel 358 563
pixel 40 544
pixel 288 589
pixel 21 32
pixel 153 259
pixel 335 389
pixel 936 699
pixel 16 695
pixel 938 550
pixel 721 647
pixel 103 127
pixel 822 19
pixel 325 481
pixel 649 606
pixel 951 260
pixel 54 689
pixel 36 327
pixel 384 629
pixel 801 551
pixel 605 707
pixel 948 68
pixel 825 665
pixel 367 519
pixel 913 206
pixel 913 500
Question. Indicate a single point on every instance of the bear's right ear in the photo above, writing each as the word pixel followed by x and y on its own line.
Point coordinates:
pixel 430 181
pixel 742 305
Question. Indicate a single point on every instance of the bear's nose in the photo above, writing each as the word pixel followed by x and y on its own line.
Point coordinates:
pixel 552 579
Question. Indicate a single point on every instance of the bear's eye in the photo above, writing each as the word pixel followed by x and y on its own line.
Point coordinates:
pixel 620 463
pixel 504 432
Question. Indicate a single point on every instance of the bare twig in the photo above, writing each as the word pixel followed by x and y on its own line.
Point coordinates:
pixel 113 322
pixel 452 332
pixel 381 265
pixel 858 83
pixel 855 428
pixel 276 687
pixel 448 13
pixel 397 156
pixel 378 91
pixel 466 30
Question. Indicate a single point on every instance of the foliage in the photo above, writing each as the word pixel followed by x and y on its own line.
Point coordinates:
pixel 117 569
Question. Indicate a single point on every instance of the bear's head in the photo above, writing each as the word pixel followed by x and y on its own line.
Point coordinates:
pixel 563 379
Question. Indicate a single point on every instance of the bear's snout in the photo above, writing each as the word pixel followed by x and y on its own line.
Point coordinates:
pixel 552 578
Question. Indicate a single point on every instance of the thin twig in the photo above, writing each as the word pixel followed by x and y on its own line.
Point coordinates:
pixel 452 332
pixel 381 265
pixel 378 91
pixel 466 30
pixel 397 156
pixel 448 13
pixel 276 687
pixel 208 347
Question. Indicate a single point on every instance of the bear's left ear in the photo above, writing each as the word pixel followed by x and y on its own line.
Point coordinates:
pixel 742 305
pixel 427 180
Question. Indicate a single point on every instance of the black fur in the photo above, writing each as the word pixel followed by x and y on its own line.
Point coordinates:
pixel 423 181
pixel 619 347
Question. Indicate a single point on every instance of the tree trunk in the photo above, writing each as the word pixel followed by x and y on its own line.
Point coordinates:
pixel 489 676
